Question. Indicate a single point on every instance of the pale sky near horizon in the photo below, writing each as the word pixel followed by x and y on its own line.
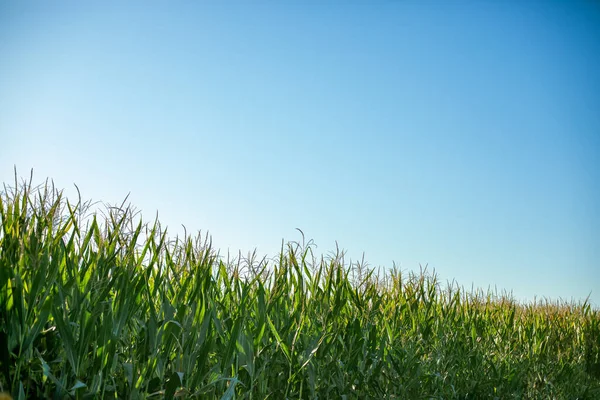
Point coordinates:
pixel 462 135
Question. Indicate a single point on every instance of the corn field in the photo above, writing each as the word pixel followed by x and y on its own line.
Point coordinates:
pixel 99 304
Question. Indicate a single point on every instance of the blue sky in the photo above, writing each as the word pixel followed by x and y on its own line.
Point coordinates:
pixel 462 135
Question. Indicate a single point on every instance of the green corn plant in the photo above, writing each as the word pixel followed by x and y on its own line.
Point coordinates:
pixel 95 303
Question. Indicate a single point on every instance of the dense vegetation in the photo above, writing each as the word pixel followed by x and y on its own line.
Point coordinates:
pixel 101 305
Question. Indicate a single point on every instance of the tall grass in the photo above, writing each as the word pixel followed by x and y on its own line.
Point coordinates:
pixel 102 305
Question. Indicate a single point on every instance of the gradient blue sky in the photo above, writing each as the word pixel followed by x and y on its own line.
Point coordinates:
pixel 463 135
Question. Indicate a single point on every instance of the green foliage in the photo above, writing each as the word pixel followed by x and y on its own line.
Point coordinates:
pixel 105 306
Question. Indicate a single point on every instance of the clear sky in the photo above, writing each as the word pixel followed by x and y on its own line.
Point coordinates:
pixel 462 135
